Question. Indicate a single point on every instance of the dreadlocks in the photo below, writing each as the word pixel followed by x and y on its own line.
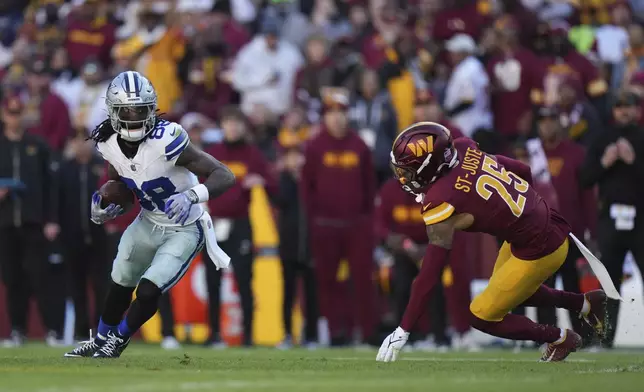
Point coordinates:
pixel 104 130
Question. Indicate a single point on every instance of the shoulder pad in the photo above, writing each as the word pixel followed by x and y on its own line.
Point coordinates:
pixel 171 138
pixel 105 148
pixel 438 203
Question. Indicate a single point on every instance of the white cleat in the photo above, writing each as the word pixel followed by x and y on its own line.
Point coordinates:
pixel 426 345
pixel 218 346
pixel 465 342
pixel 16 339
pixel 311 346
pixel 170 343
pixel 285 344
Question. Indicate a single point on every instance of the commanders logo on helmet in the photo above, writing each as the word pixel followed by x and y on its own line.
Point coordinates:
pixel 421 153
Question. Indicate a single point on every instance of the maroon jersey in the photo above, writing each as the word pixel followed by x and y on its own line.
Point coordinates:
pixel 516 77
pixel 494 190
pixel 89 39
pixel 338 180
pixel 397 212
pixel 373 51
pixel 242 159
pixel 556 69
pixel 577 204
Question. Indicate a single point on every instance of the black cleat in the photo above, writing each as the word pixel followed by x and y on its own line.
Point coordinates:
pixel 596 316
pixel 113 346
pixel 86 350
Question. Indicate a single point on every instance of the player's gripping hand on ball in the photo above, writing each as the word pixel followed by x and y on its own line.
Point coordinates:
pixel 392 345
pixel 178 206
pixel 101 215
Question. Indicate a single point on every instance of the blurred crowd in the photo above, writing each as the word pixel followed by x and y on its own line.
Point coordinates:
pixel 305 99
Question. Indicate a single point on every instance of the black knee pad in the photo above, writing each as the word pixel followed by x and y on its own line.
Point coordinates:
pixel 148 291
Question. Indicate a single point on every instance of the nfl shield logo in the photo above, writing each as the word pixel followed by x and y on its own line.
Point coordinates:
pixel 133 167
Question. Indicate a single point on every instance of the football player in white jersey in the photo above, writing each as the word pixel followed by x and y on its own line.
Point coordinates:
pixel 155 159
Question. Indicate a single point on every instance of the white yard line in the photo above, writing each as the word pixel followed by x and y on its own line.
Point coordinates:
pixel 271 384
pixel 628 369
pixel 457 359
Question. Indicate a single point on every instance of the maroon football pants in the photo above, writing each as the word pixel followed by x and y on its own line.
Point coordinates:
pixel 329 246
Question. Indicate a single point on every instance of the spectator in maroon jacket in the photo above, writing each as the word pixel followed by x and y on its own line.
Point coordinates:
pixel 207 89
pixel 577 205
pixel 89 34
pixel 461 17
pixel 235 35
pixel 338 189
pixel 561 60
pixel 515 76
pixel 577 115
pixel 388 22
pixel 231 219
pixel 46 114
pixel 400 226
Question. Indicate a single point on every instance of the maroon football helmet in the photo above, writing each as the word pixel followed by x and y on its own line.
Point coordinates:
pixel 421 154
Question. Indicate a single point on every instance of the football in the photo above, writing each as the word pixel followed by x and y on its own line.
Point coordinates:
pixel 118 193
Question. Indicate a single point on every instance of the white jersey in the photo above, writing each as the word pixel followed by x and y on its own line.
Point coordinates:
pixel 152 174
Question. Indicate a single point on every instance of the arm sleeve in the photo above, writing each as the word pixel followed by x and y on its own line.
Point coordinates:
pixel 50 185
pixel 519 168
pixel 639 163
pixel 588 198
pixel 429 275
pixel 307 187
pixel 263 167
pixel 592 170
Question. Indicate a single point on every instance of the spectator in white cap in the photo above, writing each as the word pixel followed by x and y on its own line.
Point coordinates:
pixel 467 101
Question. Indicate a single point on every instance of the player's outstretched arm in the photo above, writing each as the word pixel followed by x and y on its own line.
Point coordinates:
pixel 440 237
pixel 218 176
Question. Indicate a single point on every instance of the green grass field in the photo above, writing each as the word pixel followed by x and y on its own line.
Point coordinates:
pixel 150 369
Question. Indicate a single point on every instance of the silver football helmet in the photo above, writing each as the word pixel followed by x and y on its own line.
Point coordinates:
pixel 131 104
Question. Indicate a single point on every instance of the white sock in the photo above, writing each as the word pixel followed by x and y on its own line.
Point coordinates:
pixel 585 308
pixel 562 336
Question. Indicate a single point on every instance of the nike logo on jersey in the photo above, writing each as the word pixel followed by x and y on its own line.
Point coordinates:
pixel 174 130
pixel 425 207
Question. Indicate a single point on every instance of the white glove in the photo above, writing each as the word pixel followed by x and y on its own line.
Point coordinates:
pixel 392 345
pixel 178 207
pixel 101 215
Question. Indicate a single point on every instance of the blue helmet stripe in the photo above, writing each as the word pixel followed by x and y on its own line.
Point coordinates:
pixel 127 84
pixel 137 85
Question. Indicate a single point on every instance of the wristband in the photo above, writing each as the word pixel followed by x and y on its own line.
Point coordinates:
pixel 201 193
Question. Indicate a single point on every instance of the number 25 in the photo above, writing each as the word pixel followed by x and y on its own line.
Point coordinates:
pixel 498 181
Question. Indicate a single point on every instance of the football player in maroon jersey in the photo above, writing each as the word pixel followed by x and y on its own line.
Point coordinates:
pixel 463 188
